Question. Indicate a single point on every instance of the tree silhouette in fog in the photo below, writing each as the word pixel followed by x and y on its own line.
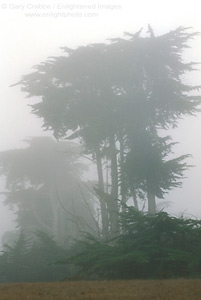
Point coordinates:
pixel 115 98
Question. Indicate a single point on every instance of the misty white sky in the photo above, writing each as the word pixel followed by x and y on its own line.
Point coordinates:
pixel 30 31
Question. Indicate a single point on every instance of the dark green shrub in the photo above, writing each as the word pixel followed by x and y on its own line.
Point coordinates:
pixel 150 246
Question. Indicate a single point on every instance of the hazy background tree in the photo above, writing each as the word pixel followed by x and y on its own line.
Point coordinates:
pixel 44 185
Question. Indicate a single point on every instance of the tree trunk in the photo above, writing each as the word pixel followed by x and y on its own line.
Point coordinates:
pixel 104 213
pixel 123 181
pixel 151 202
pixel 54 207
pixel 134 198
pixel 113 207
pixel 40 221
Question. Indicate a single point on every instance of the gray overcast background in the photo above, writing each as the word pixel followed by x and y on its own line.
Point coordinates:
pixel 30 31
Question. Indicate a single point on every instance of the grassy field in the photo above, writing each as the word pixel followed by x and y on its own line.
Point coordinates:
pixel 180 289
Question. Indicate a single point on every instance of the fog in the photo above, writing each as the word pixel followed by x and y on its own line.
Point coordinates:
pixel 31 32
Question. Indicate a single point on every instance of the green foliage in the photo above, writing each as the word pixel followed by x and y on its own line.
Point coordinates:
pixel 150 246
pixel 147 167
pixel 13 261
pixel 29 261
pixel 136 79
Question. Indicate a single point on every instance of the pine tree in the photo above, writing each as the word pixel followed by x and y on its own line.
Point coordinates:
pixel 116 98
